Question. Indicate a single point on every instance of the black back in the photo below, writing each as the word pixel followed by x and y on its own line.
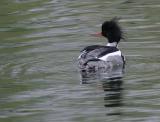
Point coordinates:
pixel 99 50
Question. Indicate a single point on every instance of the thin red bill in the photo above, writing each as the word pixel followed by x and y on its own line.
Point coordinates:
pixel 99 34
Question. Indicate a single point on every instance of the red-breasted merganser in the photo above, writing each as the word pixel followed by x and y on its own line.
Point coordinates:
pixel 105 58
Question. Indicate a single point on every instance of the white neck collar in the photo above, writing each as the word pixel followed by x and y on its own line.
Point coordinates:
pixel 113 44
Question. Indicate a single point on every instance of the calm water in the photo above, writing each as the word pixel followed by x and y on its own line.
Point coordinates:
pixel 39 43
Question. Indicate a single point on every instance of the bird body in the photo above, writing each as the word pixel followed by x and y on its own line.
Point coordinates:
pixel 103 58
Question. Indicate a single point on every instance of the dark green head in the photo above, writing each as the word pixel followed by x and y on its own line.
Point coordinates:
pixel 112 31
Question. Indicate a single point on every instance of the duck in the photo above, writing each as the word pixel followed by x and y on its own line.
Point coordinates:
pixel 104 58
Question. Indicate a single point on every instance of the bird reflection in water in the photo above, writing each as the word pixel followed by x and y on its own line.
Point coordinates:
pixel 112 85
pixel 113 97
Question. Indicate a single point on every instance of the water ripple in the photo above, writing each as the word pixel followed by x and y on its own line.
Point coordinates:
pixel 39 45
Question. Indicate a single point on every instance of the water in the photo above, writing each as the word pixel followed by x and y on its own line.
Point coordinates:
pixel 39 43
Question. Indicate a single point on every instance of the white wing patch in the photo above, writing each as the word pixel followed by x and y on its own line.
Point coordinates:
pixel 117 53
